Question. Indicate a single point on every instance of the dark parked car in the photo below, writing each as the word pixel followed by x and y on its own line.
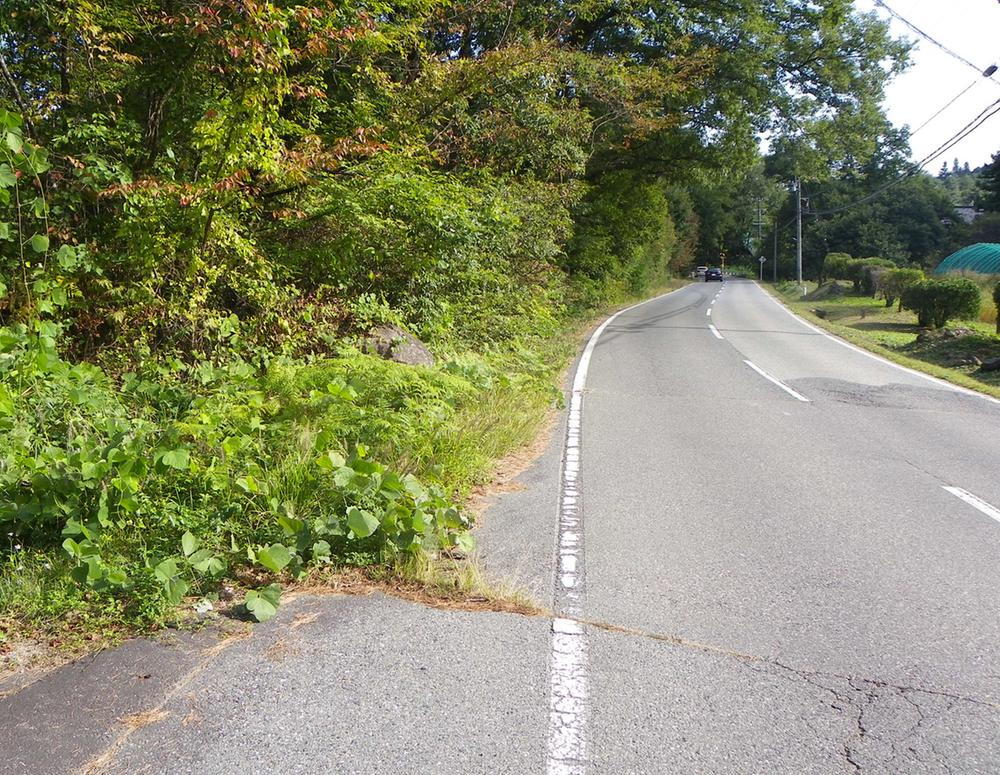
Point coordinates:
pixel 713 274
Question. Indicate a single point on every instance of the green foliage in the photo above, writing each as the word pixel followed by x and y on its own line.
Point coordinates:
pixel 237 192
pixel 996 303
pixel 938 301
pixel 869 270
pixel 892 283
pixel 837 266
pixel 626 240
pixel 862 272
pixel 989 183
pixel 161 484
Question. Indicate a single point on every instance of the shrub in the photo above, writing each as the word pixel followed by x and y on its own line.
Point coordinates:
pixel 867 272
pixel 625 238
pixel 892 283
pixel 938 301
pixel 859 271
pixel 996 303
pixel 155 488
pixel 836 267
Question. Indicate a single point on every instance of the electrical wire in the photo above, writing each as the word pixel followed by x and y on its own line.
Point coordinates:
pixel 991 110
pixel 927 36
pixel 962 133
pixel 951 102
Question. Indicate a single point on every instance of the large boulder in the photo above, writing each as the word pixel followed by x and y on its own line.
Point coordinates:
pixel 396 344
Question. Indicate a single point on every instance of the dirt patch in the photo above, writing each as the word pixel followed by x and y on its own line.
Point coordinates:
pixel 828 291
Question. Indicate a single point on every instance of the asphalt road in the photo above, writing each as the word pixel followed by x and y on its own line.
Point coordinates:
pixel 759 570
pixel 847 601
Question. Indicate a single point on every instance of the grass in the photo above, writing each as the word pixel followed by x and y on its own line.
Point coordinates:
pixel 455 425
pixel 891 333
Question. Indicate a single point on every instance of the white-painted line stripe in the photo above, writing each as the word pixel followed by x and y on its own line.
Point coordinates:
pixel 568 681
pixel 715 331
pixel 875 356
pixel 709 312
pixel 975 501
pixel 777 382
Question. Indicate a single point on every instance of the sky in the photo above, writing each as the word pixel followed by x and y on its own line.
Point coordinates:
pixel 970 28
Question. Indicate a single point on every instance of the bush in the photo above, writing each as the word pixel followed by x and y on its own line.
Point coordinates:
pixel 938 301
pixel 867 272
pixel 160 486
pixel 624 241
pixel 996 303
pixel 835 267
pixel 859 271
pixel 892 283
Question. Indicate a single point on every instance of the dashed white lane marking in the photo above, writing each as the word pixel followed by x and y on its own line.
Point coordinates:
pixel 715 331
pixel 568 682
pixel 879 358
pixel 777 382
pixel 709 312
pixel 975 501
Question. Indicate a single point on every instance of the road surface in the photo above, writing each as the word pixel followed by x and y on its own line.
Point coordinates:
pixel 765 551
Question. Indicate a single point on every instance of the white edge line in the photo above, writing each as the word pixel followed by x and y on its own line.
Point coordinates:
pixel 875 356
pixel 777 382
pixel 715 331
pixel 568 681
pixel 975 502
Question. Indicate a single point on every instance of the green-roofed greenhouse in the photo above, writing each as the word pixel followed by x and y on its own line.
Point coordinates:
pixel 983 258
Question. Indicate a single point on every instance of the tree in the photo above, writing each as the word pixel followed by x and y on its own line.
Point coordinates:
pixel 989 179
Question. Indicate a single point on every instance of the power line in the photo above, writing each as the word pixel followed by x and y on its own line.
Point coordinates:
pixel 962 133
pixel 951 102
pixel 987 113
pixel 935 41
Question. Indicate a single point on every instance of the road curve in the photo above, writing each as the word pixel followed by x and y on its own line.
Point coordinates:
pixel 768 506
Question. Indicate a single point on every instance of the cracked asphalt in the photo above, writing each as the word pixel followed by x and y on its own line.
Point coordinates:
pixel 772 585
pixel 850 603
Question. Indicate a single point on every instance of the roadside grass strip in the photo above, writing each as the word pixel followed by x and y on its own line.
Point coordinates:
pixel 975 501
pixel 882 357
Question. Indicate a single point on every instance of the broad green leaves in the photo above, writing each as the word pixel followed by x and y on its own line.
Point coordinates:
pixel 362 523
pixel 178 459
pixel 274 557
pixel 262 604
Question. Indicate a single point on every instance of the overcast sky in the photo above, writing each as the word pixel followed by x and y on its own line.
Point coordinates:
pixel 970 28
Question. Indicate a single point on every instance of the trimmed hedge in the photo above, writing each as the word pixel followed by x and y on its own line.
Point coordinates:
pixel 893 282
pixel 938 301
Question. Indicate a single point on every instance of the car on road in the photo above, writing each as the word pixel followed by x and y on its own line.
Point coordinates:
pixel 713 274
pixel 699 271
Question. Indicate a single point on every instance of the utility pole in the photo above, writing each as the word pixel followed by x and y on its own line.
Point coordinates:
pixel 759 222
pixel 798 231
pixel 775 267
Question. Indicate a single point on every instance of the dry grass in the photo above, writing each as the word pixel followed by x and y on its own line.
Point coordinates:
pixel 436 582
pixel 144 718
